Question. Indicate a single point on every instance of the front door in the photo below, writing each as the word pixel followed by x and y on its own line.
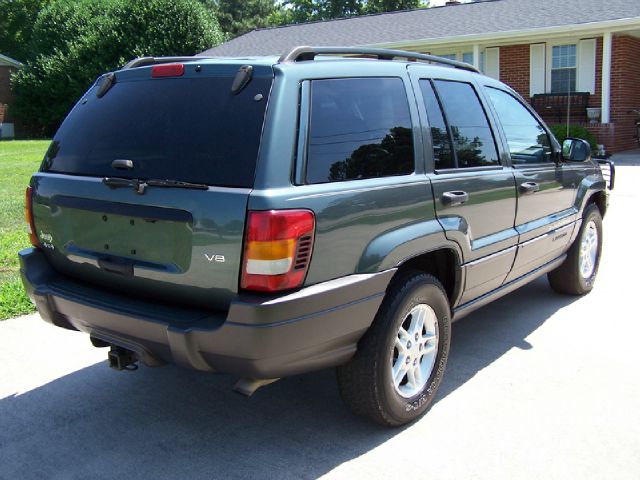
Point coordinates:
pixel 546 189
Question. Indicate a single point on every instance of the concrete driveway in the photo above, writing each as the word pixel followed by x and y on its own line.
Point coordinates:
pixel 538 386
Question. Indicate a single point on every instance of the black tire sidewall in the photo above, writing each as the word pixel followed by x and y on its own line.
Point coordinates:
pixel 421 290
pixel 592 214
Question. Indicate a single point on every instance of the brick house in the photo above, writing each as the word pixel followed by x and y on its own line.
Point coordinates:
pixel 7 67
pixel 564 56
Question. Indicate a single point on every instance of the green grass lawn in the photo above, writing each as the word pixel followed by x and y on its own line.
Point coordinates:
pixel 18 160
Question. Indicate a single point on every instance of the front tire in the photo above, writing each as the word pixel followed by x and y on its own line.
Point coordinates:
pixel 577 274
pixel 394 375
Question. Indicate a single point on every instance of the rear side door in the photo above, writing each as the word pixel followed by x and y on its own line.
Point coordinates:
pixel 474 192
pixel 546 189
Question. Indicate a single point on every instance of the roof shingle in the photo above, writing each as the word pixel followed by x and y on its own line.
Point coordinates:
pixel 493 16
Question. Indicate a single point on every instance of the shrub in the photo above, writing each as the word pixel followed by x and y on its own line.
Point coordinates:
pixel 575 131
pixel 78 40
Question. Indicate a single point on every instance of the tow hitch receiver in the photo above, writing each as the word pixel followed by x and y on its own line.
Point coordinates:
pixel 122 359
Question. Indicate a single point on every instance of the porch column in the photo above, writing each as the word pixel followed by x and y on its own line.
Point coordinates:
pixel 606 77
pixel 476 56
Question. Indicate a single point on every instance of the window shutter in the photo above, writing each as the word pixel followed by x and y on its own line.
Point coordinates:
pixel 586 66
pixel 536 68
pixel 492 62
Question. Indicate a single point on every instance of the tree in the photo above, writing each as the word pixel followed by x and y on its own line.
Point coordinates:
pixel 379 6
pixel 236 18
pixel 298 11
pixel 16 25
pixel 77 40
pixel 393 155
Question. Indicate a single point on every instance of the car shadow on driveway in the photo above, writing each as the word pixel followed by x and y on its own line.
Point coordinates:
pixel 169 423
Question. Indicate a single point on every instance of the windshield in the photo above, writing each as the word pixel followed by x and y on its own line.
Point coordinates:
pixel 186 129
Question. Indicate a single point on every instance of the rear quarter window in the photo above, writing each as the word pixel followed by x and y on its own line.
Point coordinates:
pixel 359 128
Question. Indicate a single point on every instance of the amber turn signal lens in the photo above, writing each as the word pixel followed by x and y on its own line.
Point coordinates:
pixel 28 214
pixel 277 249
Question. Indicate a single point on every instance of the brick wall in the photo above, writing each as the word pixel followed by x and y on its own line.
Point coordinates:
pixel 514 68
pixel 605 134
pixel 5 91
pixel 625 87
pixel 625 90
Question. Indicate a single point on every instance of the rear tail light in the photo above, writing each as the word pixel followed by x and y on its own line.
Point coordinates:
pixel 28 213
pixel 277 249
pixel 167 70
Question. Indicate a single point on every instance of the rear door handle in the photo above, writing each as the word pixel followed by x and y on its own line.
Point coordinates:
pixel 456 197
pixel 529 187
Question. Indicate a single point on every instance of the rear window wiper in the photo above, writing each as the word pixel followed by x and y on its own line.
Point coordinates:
pixel 140 185
pixel 152 182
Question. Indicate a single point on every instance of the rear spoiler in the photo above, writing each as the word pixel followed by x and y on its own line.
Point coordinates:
pixel 144 61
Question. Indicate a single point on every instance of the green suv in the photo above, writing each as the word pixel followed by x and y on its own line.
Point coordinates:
pixel 333 207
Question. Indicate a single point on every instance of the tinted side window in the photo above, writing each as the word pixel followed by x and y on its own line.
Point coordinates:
pixel 442 154
pixel 528 141
pixel 472 138
pixel 359 128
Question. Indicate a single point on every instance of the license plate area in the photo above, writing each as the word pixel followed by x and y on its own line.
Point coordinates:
pixel 151 237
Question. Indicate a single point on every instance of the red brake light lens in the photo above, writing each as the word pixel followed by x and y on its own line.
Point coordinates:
pixel 167 70
pixel 28 213
pixel 277 249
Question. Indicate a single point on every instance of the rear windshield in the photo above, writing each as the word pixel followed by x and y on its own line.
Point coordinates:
pixel 187 129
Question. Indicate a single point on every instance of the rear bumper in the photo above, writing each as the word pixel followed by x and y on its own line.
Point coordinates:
pixel 258 337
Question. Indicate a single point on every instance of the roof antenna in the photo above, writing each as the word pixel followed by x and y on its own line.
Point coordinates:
pixel 242 79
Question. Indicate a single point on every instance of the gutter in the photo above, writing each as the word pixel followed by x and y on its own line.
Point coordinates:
pixel 10 62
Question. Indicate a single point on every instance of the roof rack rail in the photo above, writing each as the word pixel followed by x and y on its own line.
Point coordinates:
pixel 298 54
pixel 144 61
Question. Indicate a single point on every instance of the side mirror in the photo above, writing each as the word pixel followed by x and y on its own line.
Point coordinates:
pixel 576 150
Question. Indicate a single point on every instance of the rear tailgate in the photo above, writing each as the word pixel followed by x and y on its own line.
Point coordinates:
pixel 161 240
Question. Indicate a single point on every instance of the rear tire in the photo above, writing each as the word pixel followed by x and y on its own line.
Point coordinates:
pixel 394 375
pixel 577 274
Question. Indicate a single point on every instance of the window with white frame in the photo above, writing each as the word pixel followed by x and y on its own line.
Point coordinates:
pixel 563 68
pixel 460 56
pixel 463 56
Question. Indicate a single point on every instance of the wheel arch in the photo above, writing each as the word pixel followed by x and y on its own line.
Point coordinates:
pixel 444 264
pixel 598 198
pixel 592 189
